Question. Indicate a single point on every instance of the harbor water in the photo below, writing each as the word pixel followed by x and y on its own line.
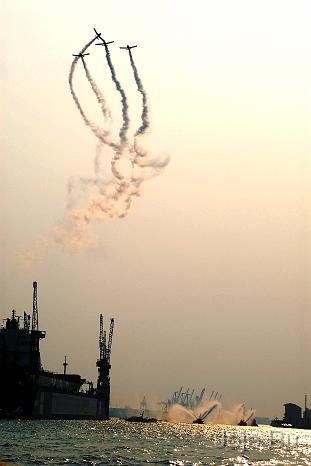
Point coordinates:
pixel 118 442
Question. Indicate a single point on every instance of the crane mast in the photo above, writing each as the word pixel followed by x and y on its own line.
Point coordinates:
pixel 36 334
pixel 35 321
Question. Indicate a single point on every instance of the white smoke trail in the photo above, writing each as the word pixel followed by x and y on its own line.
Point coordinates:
pixel 99 95
pixel 110 192
pixel 145 112
pixel 98 132
pixel 108 195
pixel 151 166
pixel 125 116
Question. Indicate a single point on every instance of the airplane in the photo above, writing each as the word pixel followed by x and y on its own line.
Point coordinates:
pixel 98 34
pixel 128 47
pixel 80 55
pixel 104 43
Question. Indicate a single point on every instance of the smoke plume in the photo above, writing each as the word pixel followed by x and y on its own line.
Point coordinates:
pixel 118 174
pixel 99 96
pixel 101 134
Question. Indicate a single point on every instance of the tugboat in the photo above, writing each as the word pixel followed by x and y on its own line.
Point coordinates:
pixel 199 420
pixel 141 418
pixel 242 423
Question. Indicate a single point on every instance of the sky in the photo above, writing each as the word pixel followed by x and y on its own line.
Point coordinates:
pixel 208 274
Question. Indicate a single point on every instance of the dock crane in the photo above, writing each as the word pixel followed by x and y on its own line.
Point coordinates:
pixel 201 394
pixel 178 394
pixel 108 351
pixel 190 397
pixel 103 363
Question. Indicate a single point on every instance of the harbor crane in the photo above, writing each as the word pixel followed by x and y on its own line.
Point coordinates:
pixel 103 363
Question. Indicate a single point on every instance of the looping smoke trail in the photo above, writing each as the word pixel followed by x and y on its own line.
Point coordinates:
pixel 99 96
pixel 125 116
pixel 152 166
pixel 99 133
pixel 149 167
pixel 145 112
pixel 105 197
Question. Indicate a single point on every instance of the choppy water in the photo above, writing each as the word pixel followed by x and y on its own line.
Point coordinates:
pixel 117 442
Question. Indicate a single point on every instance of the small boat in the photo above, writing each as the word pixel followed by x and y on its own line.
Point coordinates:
pixel 141 418
pixel 198 421
pixel 242 423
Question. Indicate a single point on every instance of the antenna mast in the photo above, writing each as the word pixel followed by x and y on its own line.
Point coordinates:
pixel 65 364
pixel 35 323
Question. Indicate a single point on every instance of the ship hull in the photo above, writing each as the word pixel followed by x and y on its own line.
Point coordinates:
pixel 57 405
pixel 54 405
pixel 22 398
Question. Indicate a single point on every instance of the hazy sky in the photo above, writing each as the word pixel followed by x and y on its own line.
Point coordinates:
pixel 208 277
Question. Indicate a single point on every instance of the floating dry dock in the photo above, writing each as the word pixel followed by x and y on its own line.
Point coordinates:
pixel 28 391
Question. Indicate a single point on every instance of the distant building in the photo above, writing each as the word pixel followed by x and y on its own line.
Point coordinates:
pixel 293 415
pixel 306 421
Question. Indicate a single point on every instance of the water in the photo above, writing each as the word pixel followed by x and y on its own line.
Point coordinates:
pixel 117 442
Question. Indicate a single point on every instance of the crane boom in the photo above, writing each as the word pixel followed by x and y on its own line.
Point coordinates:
pixel 201 395
pixel 178 394
pixel 105 343
pixel 110 340
pixel 101 337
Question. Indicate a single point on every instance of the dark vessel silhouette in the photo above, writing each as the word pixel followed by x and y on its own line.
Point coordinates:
pixel 242 423
pixel 28 391
pixel 141 418
pixel 201 418
pixel 198 421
